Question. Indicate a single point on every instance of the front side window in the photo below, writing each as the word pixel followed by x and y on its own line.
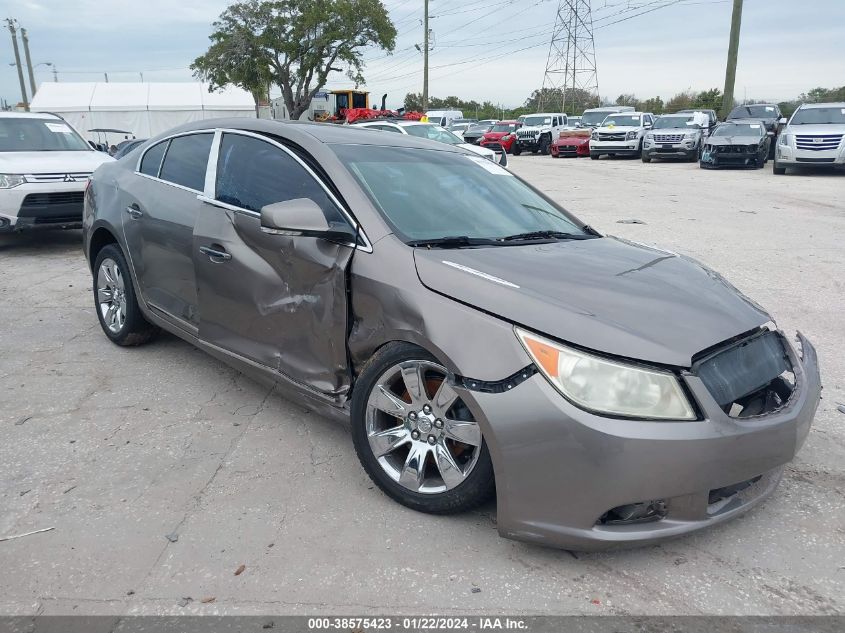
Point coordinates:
pixel 186 160
pixel 151 162
pixel 25 134
pixel 472 196
pixel 252 173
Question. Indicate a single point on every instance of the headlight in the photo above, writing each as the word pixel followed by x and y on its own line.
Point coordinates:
pixel 753 148
pixel 783 140
pixel 594 136
pixel 630 136
pixel 607 386
pixel 7 181
pixel 649 137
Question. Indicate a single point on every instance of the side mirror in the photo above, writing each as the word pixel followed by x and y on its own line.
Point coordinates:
pixel 302 217
pixel 782 120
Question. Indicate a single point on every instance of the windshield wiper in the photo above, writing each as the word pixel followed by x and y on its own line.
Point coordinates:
pixel 452 241
pixel 547 235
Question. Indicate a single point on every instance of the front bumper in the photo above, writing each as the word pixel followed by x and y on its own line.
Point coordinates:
pixel 652 149
pixel 38 205
pixel 619 148
pixel 559 468
pixel 570 149
pixel 729 159
pixel 788 156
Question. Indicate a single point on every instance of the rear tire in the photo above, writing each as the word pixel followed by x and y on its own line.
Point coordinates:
pixel 115 300
pixel 400 381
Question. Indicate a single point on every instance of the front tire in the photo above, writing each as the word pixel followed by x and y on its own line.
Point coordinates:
pixel 777 170
pixel 545 144
pixel 115 300
pixel 517 150
pixel 414 436
pixel 646 158
pixel 595 155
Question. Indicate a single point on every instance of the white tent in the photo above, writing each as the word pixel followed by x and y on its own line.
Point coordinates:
pixel 143 109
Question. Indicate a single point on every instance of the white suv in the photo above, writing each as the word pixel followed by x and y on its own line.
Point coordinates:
pixel 621 134
pixel 44 168
pixel 539 131
pixel 814 137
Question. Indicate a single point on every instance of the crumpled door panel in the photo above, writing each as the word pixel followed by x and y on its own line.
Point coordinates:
pixel 279 301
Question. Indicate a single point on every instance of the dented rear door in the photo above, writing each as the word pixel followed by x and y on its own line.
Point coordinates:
pixel 276 300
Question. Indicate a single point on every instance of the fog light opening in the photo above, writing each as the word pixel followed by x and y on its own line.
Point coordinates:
pixel 642 512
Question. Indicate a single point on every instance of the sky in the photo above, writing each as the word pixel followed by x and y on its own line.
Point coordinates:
pixel 492 50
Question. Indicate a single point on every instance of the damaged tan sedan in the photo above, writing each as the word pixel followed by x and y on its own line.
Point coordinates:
pixel 480 338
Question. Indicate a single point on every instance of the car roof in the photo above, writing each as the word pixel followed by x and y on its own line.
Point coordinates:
pixel 29 115
pixel 305 133
pixel 832 104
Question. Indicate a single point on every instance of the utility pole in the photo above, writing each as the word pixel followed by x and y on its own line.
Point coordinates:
pixel 106 75
pixel 733 49
pixel 28 62
pixel 11 23
pixel 55 74
pixel 425 59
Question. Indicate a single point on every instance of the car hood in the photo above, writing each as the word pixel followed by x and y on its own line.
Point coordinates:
pixel 51 162
pixel 674 130
pixel 604 294
pixel 817 130
pixel 494 136
pixel 476 149
pixel 619 128
pixel 734 140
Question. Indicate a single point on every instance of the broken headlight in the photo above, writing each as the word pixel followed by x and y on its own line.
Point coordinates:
pixel 608 386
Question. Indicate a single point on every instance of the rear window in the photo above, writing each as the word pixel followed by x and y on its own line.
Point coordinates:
pixel 186 160
pixel 152 159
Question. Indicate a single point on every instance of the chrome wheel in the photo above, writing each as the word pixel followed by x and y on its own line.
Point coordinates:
pixel 421 433
pixel 111 295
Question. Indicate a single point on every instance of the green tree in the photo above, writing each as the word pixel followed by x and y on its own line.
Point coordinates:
pixel 550 99
pixel 294 44
pixel 654 105
pixel 681 101
pixel 628 100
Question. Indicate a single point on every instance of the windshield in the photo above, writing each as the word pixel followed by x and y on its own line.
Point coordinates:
pixel 434 133
pixel 504 127
pixel 813 116
pixel 480 127
pixel 593 119
pixel 762 111
pixel 621 119
pixel 38 135
pixel 537 121
pixel 739 129
pixel 425 194
pixel 666 122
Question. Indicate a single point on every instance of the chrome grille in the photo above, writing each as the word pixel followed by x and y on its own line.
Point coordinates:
pixel 74 176
pixel 608 136
pixel 818 142
pixel 668 138
pixel 526 134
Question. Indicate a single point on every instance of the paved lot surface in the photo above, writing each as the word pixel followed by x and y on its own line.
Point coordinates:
pixel 117 448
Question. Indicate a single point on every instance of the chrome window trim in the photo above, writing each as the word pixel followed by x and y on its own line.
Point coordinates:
pixel 212 200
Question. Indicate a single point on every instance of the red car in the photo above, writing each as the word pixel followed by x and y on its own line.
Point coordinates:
pixel 572 143
pixel 502 133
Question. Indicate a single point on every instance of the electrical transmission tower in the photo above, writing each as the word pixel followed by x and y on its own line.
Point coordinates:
pixel 571 79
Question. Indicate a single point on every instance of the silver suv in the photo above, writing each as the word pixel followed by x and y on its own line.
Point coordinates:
pixel 675 136
pixel 814 136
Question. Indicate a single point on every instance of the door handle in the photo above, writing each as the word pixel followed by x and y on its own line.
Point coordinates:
pixel 135 211
pixel 215 254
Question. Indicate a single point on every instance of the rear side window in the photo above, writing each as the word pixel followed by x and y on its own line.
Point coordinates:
pixel 252 173
pixel 186 160
pixel 152 159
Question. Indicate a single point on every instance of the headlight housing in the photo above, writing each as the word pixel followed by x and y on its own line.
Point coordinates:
pixel 649 137
pixel 783 140
pixel 7 181
pixel 594 136
pixel 608 386
pixel 630 136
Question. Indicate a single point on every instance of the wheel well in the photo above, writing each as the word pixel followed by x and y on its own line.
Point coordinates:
pixel 99 240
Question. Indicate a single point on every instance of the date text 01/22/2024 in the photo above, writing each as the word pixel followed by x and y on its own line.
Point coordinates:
pixel 416 623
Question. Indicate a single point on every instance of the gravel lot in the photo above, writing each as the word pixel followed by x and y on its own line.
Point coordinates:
pixel 117 448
